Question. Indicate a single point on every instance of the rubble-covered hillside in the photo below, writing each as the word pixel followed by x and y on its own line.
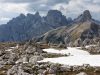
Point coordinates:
pixel 26 59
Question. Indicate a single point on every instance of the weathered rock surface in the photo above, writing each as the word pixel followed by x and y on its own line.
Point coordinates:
pixel 25 27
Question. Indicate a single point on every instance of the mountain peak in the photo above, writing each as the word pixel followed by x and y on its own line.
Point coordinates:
pixel 85 16
pixel 21 15
pixel 56 18
pixel 29 14
pixel 37 13
pixel 53 13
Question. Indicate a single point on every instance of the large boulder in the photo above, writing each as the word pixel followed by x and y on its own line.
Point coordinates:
pixel 17 70
pixel 30 50
pixel 35 58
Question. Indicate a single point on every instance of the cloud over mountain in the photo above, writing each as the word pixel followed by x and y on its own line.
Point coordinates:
pixel 12 8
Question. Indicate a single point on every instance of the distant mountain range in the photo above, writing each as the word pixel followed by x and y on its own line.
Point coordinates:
pixel 54 27
pixel 82 28
pixel 24 27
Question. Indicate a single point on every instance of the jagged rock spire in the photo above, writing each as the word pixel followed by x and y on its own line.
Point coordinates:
pixel 37 13
pixel 54 13
pixel 86 16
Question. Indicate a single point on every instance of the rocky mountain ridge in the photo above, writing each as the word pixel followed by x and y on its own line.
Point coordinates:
pixel 84 27
pixel 25 27
pixel 53 28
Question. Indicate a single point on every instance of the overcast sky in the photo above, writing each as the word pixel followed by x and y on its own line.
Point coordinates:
pixel 70 8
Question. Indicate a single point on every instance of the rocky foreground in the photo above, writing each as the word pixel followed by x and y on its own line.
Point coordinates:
pixel 22 60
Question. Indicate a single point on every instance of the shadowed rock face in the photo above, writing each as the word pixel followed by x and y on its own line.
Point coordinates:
pixel 87 15
pixel 26 27
pixel 54 36
pixel 56 19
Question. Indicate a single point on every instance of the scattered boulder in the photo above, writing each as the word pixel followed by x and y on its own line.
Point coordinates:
pixel 36 58
pixel 30 50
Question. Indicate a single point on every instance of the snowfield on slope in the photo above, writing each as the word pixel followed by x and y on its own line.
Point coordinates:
pixel 70 50
pixel 92 60
pixel 77 57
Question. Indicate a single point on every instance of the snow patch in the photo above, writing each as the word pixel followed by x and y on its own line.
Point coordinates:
pixel 8 50
pixel 89 46
pixel 71 51
pixel 79 60
pixel 79 57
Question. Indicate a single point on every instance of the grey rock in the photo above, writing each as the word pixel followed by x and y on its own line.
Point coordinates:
pixel 86 16
pixel 17 70
pixel 30 50
pixel 34 59
pixel 23 59
pixel 2 52
pixel 25 27
pixel 83 29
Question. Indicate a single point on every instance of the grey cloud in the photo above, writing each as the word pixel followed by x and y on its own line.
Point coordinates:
pixel 35 1
pixel 18 1
pixel 44 5
pixel 53 2
pixel 35 5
